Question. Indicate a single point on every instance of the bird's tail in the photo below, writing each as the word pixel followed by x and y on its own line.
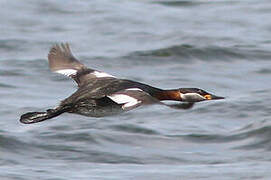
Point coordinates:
pixel 35 117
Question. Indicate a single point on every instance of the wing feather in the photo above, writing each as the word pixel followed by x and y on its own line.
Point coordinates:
pixel 62 61
pixel 61 58
pixel 133 97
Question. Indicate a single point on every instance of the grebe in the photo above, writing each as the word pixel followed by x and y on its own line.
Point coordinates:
pixel 100 94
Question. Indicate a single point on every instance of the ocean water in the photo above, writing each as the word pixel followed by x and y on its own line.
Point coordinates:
pixel 221 46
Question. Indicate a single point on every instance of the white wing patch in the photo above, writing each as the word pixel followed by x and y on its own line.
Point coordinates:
pixel 128 101
pixel 67 72
pixel 133 89
pixel 101 74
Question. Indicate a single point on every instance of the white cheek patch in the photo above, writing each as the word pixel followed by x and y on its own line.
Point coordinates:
pixel 128 101
pixel 192 97
pixel 101 74
pixel 67 72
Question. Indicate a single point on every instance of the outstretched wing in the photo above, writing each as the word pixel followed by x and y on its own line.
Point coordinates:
pixel 61 60
pixel 134 97
pixel 131 98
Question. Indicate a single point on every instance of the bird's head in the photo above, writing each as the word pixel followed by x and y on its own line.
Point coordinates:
pixel 196 95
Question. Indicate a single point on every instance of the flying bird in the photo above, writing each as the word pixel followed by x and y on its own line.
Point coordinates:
pixel 100 94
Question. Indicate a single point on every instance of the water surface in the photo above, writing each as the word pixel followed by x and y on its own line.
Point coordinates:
pixel 220 46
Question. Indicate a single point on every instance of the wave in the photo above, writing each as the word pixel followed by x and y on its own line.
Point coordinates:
pixel 3 85
pixel 246 138
pixel 180 3
pixel 130 128
pixel 187 3
pixel 209 53
pixel 12 144
pixel 12 44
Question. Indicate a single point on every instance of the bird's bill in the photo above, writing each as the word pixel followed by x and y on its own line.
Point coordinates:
pixel 213 97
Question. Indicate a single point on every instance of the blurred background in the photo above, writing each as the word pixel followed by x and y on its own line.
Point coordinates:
pixel 221 46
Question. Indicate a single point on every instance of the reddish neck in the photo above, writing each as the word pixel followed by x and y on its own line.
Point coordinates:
pixel 168 95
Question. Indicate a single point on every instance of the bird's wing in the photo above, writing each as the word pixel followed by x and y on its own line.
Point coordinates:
pixel 61 60
pixel 133 97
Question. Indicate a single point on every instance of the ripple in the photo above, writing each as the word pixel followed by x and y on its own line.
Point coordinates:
pixel 252 138
pixel 12 44
pixel 179 3
pixel 260 138
pixel 11 73
pixel 264 71
pixel 2 85
pixel 70 137
pixel 12 144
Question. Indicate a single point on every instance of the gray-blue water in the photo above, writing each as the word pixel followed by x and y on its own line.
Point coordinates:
pixel 221 46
